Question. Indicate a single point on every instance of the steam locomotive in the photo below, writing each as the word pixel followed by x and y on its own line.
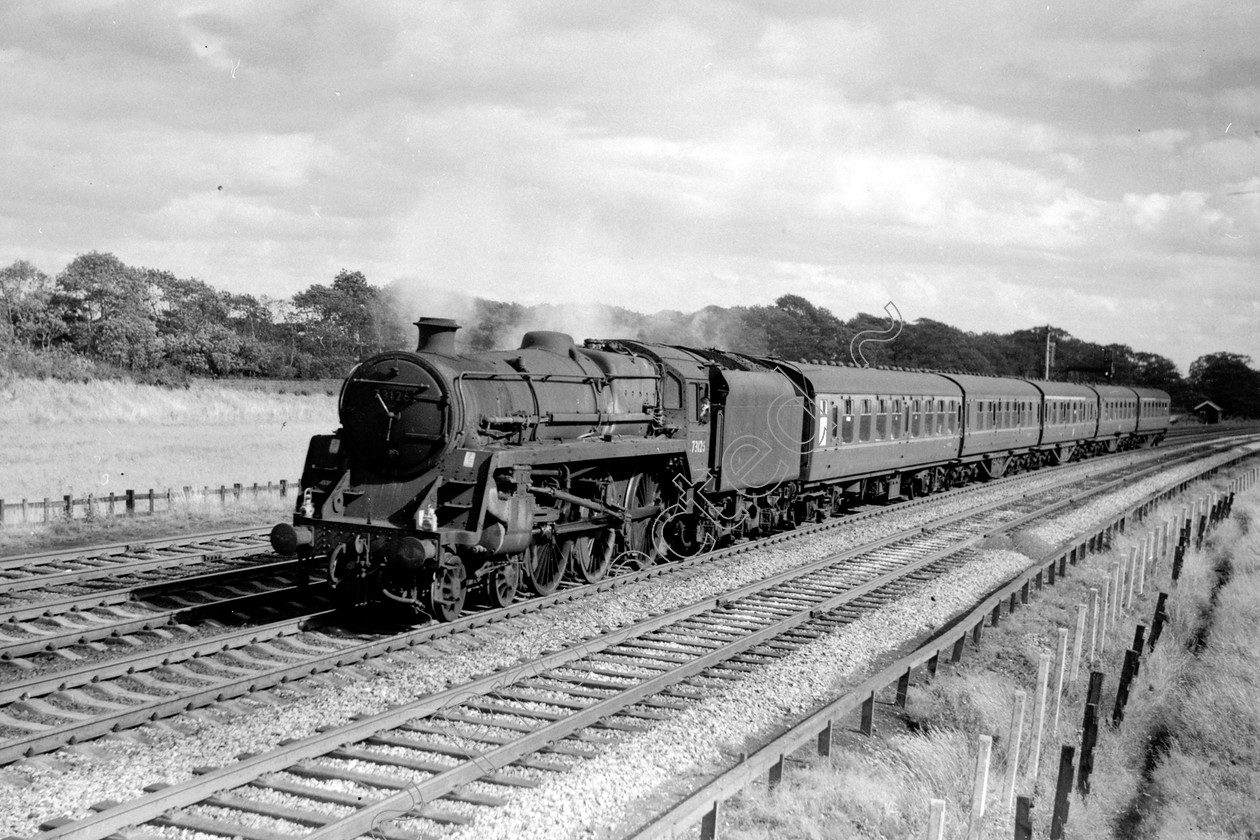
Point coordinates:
pixel 456 474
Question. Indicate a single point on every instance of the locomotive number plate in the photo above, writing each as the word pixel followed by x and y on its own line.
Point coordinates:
pixel 395 400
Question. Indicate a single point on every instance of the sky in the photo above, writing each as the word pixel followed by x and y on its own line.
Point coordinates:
pixel 992 165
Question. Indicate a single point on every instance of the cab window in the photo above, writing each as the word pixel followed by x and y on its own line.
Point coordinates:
pixel 700 396
pixel 673 392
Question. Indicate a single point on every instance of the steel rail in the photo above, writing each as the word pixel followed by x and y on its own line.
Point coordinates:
pixel 87 552
pixel 198 553
pixel 107 628
pixel 137 592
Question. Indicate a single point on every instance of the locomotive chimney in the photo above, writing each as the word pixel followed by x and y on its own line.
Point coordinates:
pixel 437 335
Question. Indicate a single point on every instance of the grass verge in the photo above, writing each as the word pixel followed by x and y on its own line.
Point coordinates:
pixel 1166 771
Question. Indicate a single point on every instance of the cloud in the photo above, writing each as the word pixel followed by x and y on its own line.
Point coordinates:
pixel 680 155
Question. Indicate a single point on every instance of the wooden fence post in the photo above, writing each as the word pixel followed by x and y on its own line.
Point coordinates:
pixel 1076 645
pixel 936 819
pixel 1093 624
pixel 979 787
pixel 1012 749
pixel 1132 578
pixel 1104 610
pixel 1060 675
pixel 1039 719
pixel 708 823
pixel 868 715
pixel 1062 793
pixel 1117 592
pixel 1160 617
pixel 1122 693
pixel 903 690
pixel 1023 818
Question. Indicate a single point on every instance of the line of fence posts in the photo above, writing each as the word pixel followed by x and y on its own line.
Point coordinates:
pixel 1094 619
pixel 129 502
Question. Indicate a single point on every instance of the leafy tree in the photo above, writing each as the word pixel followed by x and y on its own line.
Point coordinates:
pixel 1228 380
pixel 108 309
pixel 494 320
pixel 345 321
pixel 26 316
pixel 796 329
pixel 932 345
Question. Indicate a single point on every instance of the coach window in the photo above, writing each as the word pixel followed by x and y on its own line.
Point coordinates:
pixel 942 426
pixel 864 421
pixel 915 423
pixel 835 422
pixel 673 392
pixel 881 419
pixel 896 419
pixel 847 426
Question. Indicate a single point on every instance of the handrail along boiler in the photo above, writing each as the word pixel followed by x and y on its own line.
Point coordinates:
pixel 456 473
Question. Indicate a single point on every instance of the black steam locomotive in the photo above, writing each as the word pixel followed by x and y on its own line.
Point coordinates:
pixel 484 472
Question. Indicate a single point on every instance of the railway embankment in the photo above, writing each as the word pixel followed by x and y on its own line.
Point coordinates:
pixel 1200 743
pixel 1179 757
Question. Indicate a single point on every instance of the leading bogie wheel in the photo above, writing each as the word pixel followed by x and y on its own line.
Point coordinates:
pixel 448 591
pixel 504 582
pixel 544 567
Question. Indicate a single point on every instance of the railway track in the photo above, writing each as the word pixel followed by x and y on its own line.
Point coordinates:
pixel 50 570
pixel 538 716
pixel 160 665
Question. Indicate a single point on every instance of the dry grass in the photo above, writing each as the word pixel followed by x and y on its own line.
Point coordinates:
pixel 1208 783
pixel 107 437
pixel 192 518
pixel 880 787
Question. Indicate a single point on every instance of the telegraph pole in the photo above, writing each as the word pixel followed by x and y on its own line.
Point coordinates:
pixel 1049 351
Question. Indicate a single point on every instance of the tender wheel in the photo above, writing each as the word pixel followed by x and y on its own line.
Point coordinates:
pixel 448 591
pixel 544 567
pixel 503 583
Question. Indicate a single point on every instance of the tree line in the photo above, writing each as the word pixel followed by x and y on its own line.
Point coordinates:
pixel 101 317
pixel 99 314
